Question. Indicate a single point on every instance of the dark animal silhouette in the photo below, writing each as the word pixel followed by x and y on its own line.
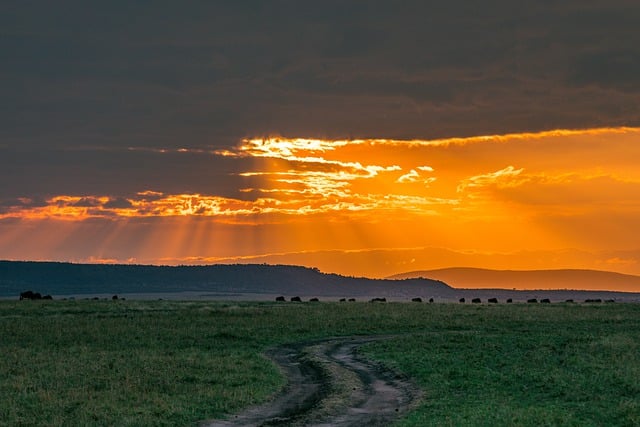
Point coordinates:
pixel 476 300
pixel 115 297
pixel 509 300
pixel 30 295
pixel 379 300
pixel 280 299
pixel 314 300
pixel 545 301
pixel 532 301
pixel 597 300
pixel 296 299
pixel 431 300
pixel 343 300
pixel 26 295
pixel 493 300
pixel 462 300
pixel 416 299
pixel 352 300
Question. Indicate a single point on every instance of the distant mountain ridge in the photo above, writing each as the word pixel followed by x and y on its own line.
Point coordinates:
pixel 58 278
pixel 478 278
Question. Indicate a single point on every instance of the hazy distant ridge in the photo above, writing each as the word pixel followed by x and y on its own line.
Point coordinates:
pixel 67 279
pixel 530 279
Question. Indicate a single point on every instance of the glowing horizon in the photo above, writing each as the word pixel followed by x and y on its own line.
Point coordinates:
pixel 544 192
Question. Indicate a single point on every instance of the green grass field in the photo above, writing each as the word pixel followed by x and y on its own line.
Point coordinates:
pixel 175 363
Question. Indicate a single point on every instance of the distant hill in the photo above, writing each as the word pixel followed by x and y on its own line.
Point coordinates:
pixel 479 278
pixel 84 279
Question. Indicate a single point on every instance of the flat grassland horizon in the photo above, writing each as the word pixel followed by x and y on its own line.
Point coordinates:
pixel 177 363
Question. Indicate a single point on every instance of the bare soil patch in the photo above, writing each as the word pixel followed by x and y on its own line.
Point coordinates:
pixel 331 384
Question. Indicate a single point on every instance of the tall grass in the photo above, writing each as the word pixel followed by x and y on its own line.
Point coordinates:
pixel 174 363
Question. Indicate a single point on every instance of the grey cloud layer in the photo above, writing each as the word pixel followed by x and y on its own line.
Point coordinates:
pixel 205 74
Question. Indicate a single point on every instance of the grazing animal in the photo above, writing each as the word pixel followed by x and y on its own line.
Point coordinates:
pixel 314 300
pixel 296 299
pixel 416 299
pixel 476 300
pixel 343 300
pixel 509 300
pixel 115 297
pixel 26 295
pixel 379 300
pixel 31 295
pixel 462 300
pixel 493 300
pixel 545 301
pixel 431 300
pixel 280 299
pixel 352 300
pixel 532 301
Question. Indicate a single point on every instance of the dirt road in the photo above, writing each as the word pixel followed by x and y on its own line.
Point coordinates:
pixel 330 384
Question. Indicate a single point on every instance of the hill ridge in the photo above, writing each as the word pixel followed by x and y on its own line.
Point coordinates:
pixel 568 278
pixel 64 278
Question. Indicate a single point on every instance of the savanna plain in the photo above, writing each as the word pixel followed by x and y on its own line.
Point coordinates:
pixel 178 363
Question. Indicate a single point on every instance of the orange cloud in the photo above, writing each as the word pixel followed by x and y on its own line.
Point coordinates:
pixel 538 191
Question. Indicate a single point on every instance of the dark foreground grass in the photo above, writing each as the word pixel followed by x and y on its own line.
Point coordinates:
pixel 174 363
pixel 525 365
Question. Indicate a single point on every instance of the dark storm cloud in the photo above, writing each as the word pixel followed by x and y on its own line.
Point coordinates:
pixel 116 173
pixel 618 70
pixel 118 203
pixel 206 74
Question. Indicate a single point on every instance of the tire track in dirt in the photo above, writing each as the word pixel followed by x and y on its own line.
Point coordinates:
pixel 330 384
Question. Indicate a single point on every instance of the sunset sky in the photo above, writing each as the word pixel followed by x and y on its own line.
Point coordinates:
pixel 363 138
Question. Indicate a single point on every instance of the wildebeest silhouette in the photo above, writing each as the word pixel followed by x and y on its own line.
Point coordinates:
pixel 280 299
pixel 314 300
pixel 352 300
pixel 545 301
pixel 379 300
pixel 476 300
pixel 343 299
pixel 493 300
pixel 30 295
pixel 532 300
pixel 509 300
pixel 462 300
pixel 296 299
pixel 26 295
pixel 416 299
pixel 115 297
pixel 431 300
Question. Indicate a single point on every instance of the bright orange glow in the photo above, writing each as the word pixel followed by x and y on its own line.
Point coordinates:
pixel 305 200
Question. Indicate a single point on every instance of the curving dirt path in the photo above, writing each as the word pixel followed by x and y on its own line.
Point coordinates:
pixel 330 384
